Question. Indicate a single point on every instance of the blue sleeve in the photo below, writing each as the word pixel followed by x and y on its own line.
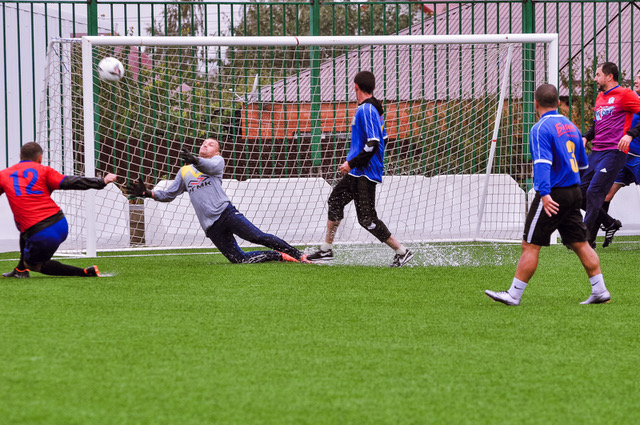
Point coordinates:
pixel 540 145
pixel 542 160
pixel 542 178
pixel 370 122
pixel 176 188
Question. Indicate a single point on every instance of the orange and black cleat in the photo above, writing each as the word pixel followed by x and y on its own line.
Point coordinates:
pixel 92 271
pixel 287 257
pixel 20 274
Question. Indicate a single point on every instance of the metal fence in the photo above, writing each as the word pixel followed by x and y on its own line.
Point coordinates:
pixel 590 32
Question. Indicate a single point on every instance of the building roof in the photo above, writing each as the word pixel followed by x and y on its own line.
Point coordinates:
pixel 604 31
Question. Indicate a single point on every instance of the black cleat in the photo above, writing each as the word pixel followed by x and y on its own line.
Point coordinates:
pixel 610 231
pixel 92 271
pixel 20 274
pixel 401 260
pixel 320 256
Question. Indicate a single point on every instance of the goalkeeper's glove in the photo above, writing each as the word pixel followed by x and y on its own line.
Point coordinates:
pixel 138 189
pixel 187 156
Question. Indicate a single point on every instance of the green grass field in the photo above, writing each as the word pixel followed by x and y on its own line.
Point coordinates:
pixel 193 339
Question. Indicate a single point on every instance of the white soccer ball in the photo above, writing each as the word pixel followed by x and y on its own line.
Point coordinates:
pixel 110 69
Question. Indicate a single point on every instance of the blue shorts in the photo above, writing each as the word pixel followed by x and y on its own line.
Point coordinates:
pixel 41 246
pixel 630 173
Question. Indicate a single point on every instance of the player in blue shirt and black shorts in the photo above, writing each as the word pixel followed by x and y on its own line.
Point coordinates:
pixel 558 155
pixel 363 170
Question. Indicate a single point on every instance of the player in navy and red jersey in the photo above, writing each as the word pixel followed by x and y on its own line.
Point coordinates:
pixel 611 134
pixel 42 225
pixel 363 169
pixel 558 155
pixel 630 173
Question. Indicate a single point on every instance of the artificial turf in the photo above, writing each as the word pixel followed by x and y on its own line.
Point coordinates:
pixel 193 339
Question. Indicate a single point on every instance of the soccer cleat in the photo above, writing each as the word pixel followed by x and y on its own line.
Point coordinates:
pixel 92 271
pixel 610 231
pixel 601 298
pixel 320 256
pixel 401 260
pixel 502 297
pixel 20 274
pixel 287 257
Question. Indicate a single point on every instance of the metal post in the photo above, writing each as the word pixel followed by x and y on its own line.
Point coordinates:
pixel 494 139
pixel 89 148
pixel 316 129
pixel 92 17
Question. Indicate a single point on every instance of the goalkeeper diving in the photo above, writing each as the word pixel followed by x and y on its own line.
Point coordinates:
pixel 201 177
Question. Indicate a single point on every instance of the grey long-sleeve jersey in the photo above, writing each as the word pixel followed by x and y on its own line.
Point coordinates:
pixel 203 182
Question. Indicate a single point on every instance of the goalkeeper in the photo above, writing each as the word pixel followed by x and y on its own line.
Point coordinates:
pixel 201 177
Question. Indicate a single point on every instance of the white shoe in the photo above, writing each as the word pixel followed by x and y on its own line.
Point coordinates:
pixel 502 297
pixel 601 298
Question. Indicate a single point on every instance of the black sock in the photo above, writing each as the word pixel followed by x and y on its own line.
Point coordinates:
pixel 605 205
pixel 56 268
pixel 21 267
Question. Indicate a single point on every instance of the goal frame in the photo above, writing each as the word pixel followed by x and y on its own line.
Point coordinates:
pixel 88 42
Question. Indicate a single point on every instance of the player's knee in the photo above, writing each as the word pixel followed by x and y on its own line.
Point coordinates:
pixel 376 227
pixel 593 192
pixel 368 223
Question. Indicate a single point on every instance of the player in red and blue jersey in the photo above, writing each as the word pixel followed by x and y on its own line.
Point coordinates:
pixel 558 156
pixel 630 173
pixel 362 170
pixel 611 134
pixel 42 225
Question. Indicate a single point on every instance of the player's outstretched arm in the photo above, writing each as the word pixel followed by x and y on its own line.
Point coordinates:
pixel 138 189
pixel 86 183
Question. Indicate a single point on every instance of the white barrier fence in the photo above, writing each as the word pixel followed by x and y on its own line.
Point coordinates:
pixel 296 210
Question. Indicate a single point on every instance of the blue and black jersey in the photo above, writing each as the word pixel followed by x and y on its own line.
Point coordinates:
pixel 368 138
pixel 557 151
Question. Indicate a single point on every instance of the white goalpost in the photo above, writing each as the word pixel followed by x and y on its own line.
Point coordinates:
pixel 458 110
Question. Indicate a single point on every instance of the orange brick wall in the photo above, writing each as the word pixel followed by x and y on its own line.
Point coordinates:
pixel 283 121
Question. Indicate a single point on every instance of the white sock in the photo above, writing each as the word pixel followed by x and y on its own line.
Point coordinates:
pixel 401 251
pixel 326 246
pixel 517 288
pixel 597 284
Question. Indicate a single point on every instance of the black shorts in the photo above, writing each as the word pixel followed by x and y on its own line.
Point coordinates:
pixel 362 192
pixel 568 221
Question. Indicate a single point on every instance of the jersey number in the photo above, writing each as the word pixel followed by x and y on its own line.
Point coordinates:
pixel 25 175
pixel 571 148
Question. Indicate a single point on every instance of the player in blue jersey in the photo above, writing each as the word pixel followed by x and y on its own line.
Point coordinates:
pixel 558 155
pixel 362 171
pixel 201 178
pixel 630 173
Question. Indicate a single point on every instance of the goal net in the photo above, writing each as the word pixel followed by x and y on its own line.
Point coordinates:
pixel 457 109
